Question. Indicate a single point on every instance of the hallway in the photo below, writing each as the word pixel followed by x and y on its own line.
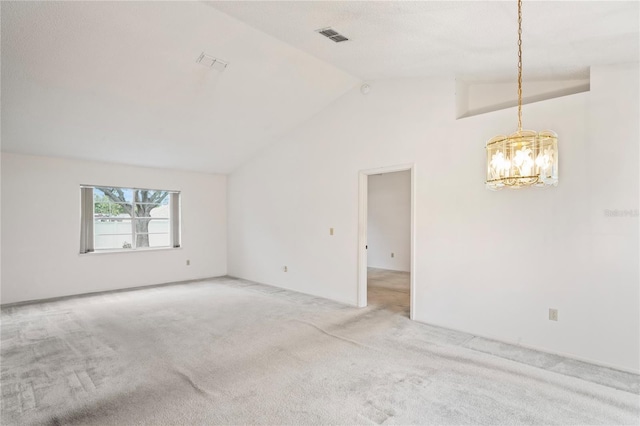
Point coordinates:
pixel 389 289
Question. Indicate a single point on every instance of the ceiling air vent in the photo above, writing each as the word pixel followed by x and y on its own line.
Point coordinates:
pixel 332 34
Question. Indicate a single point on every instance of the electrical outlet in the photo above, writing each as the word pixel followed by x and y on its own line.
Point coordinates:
pixel 553 314
pixel 188 262
pixel 285 269
pixel 393 255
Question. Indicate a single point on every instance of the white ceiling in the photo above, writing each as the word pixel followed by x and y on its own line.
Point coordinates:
pixel 474 40
pixel 118 82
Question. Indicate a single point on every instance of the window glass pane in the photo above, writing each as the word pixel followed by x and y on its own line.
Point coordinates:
pixel 101 209
pixel 108 209
pixel 152 196
pixel 144 227
pixel 112 234
pixel 121 210
pixel 153 240
pixel 106 226
pixel 115 195
pixel 98 195
pixel 152 233
pixel 159 226
pixel 153 210
pixel 113 242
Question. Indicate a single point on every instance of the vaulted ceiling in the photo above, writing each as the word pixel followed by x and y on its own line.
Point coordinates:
pixel 119 82
pixel 474 40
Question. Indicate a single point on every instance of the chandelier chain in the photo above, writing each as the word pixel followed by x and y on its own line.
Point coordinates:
pixel 519 65
pixel 525 158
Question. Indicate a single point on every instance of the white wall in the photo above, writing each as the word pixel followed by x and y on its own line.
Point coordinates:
pixel 389 221
pixel 41 229
pixel 489 263
pixel 475 98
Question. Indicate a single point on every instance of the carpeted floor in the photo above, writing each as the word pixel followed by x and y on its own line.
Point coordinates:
pixel 228 351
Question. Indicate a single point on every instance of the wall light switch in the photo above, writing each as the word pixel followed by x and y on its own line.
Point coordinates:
pixel 188 262
pixel 393 255
pixel 285 269
pixel 553 314
pixel 330 231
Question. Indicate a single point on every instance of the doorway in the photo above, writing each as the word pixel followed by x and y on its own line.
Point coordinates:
pixel 386 247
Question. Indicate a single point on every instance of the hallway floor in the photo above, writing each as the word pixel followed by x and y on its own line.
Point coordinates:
pixel 388 289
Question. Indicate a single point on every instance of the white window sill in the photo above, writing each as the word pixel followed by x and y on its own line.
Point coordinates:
pixel 140 250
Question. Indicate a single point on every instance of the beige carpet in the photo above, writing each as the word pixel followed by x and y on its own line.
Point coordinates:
pixel 228 351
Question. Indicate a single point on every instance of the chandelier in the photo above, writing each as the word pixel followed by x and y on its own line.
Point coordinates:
pixel 525 158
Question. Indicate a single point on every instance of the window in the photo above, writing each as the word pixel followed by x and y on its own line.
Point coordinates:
pixel 116 218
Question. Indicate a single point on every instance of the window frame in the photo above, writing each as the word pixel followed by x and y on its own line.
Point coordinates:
pixel 87 220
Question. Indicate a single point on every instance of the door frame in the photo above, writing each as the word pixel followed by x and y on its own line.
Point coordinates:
pixel 363 188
